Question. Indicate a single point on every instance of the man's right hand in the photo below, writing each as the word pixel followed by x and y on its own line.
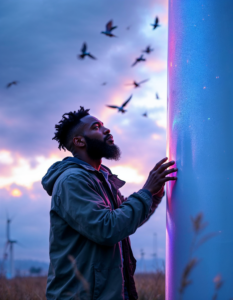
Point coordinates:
pixel 157 176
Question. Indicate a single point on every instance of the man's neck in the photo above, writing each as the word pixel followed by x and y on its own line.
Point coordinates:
pixel 95 163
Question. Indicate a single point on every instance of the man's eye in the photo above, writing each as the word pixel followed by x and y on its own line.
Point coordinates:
pixel 96 127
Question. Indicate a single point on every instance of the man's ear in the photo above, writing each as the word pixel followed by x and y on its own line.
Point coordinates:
pixel 79 141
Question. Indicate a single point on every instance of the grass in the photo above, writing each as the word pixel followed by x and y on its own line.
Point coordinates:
pixel 23 288
pixel 150 286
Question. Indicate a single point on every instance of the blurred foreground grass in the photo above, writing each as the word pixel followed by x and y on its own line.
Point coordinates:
pixel 150 286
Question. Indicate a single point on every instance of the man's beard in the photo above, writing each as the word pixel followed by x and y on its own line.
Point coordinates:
pixel 97 149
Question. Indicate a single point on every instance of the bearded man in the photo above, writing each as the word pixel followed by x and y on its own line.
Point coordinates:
pixel 89 218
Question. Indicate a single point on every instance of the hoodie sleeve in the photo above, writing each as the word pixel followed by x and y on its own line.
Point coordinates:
pixel 79 204
pixel 156 199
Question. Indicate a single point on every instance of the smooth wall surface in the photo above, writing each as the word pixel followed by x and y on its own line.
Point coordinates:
pixel 200 140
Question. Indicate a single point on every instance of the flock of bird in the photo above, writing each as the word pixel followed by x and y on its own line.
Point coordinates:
pixel 108 32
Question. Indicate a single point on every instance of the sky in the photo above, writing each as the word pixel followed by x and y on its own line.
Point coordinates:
pixel 39 44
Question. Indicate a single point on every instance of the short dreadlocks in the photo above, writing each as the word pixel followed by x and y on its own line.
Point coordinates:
pixel 65 129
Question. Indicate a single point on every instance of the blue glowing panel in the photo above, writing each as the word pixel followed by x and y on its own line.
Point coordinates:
pixel 200 140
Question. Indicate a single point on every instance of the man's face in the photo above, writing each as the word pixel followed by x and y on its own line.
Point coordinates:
pixel 99 141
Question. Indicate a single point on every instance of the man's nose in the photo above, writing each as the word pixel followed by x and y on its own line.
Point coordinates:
pixel 106 131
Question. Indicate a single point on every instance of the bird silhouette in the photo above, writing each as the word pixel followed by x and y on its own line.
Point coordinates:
pixel 157 96
pixel 11 83
pixel 104 83
pixel 156 23
pixel 85 53
pixel 121 108
pixel 141 58
pixel 128 27
pixel 148 50
pixel 145 114
pixel 137 84
pixel 109 29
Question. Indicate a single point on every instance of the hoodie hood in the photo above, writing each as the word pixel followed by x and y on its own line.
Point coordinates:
pixel 54 172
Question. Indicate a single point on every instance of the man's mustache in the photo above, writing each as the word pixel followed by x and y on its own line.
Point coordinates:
pixel 107 137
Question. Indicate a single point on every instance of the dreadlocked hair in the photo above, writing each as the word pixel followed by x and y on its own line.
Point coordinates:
pixel 64 128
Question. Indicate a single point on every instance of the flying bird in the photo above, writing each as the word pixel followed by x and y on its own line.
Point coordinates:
pixel 156 23
pixel 137 84
pixel 104 83
pixel 109 29
pixel 121 108
pixel 148 50
pixel 128 28
pixel 85 53
pixel 157 96
pixel 145 114
pixel 141 58
pixel 11 83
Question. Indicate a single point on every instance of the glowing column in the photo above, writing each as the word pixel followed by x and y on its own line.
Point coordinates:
pixel 200 140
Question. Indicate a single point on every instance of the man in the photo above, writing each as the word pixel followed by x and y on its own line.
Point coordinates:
pixel 89 219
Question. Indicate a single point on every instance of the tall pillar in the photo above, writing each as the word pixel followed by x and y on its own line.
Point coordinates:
pixel 200 140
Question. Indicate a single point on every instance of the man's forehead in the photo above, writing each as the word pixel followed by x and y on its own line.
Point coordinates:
pixel 88 120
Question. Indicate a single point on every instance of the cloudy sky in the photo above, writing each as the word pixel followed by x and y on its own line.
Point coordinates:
pixel 39 43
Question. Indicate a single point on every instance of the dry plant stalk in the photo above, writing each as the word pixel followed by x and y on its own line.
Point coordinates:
pixel 198 226
pixel 218 284
pixel 187 270
pixel 79 275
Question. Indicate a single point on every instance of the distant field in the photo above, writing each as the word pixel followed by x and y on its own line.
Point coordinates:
pixel 149 286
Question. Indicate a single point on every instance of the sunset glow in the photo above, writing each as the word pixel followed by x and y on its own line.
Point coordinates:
pixel 16 193
pixel 23 174
pixel 128 174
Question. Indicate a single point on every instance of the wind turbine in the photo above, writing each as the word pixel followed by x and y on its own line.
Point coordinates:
pixel 9 250
pixel 142 260
pixel 154 254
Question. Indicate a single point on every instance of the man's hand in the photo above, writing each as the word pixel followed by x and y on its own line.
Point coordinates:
pixel 160 193
pixel 157 176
